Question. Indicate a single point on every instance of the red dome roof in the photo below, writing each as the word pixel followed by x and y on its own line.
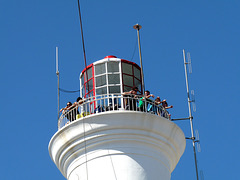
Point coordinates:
pixel 110 56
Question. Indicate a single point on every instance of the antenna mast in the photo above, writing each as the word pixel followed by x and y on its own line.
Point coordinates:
pixel 190 115
pixel 138 27
pixel 57 72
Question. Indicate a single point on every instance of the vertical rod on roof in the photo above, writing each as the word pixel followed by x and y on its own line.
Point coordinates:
pixel 84 53
pixel 190 114
pixel 57 72
pixel 138 27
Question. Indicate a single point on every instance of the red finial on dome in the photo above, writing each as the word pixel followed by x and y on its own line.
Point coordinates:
pixel 110 56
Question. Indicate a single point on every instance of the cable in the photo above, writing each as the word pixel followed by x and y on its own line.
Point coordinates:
pixel 85 144
pixel 84 53
pixel 67 91
pixel 112 165
pixel 134 49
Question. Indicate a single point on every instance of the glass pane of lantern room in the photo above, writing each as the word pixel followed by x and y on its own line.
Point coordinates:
pixel 128 80
pixel 90 94
pixel 100 91
pixel 127 68
pixel 100 69
pixel 114 89
pixel 89 73
pixel 90 83
pixel 113 66
pixel 113 79
pixel 138 84
pixel 100 81
pixel 83 91
pixel 137 73
pixel 126 89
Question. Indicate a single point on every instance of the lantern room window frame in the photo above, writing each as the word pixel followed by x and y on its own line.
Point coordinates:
pixel 106 75
pixel 133 76
pixel 110 85
pixel 83 85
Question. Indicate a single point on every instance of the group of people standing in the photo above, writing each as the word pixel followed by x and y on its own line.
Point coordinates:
pixel 71 110
pixel 132 97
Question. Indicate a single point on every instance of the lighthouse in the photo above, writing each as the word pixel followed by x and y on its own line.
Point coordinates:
pixel 107 136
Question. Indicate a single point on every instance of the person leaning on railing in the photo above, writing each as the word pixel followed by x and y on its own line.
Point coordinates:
pixel 78 102
pixel 75 105
pixel 68 113
pixel 141 105
pixel 155 107
pixel 130 99
pixel 165 105
pixel 71 110
pixel 63 110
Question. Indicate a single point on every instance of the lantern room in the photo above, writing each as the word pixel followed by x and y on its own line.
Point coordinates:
pixel 108 76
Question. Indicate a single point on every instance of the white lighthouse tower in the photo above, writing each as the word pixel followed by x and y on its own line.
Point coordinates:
pixel 107 136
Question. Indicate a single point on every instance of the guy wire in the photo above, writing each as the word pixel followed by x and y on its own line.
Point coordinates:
pixel 135 47
pixel 67 91
pixel 85 146
pixel 84 53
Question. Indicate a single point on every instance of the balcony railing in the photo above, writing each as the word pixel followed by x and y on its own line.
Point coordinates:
pixel 108 103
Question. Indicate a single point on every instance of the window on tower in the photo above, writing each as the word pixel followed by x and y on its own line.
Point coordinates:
pixel 87 82
pixel 131 75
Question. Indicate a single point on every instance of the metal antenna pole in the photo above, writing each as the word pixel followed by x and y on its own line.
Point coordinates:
pixel 190 114
pixel 138 27
pixel 57 72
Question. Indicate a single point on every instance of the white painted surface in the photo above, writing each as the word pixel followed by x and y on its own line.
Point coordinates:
pixel 118 145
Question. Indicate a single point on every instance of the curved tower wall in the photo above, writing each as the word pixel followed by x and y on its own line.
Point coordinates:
pixel 122 145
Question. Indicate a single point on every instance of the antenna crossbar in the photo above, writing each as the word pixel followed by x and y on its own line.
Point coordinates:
pixel 179 119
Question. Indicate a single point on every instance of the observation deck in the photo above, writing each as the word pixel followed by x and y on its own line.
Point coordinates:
pixel 108 103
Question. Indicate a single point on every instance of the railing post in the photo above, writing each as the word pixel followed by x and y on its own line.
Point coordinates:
pixel 145 104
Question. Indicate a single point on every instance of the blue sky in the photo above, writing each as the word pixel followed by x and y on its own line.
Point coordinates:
pixel 30 31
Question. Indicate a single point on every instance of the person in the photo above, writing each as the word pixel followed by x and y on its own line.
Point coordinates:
pixel 165 105
pixel 65 108
pixel 157 108
pixel 146 97
pixel 67 111
pixel 75 106
pixel 78 102
pixel 158 101
pixel 130 100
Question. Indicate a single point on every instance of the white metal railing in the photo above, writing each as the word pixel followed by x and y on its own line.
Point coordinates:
pixel 112 102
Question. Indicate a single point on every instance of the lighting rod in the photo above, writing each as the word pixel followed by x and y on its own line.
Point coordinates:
pixel 57 72
pixel 138 27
